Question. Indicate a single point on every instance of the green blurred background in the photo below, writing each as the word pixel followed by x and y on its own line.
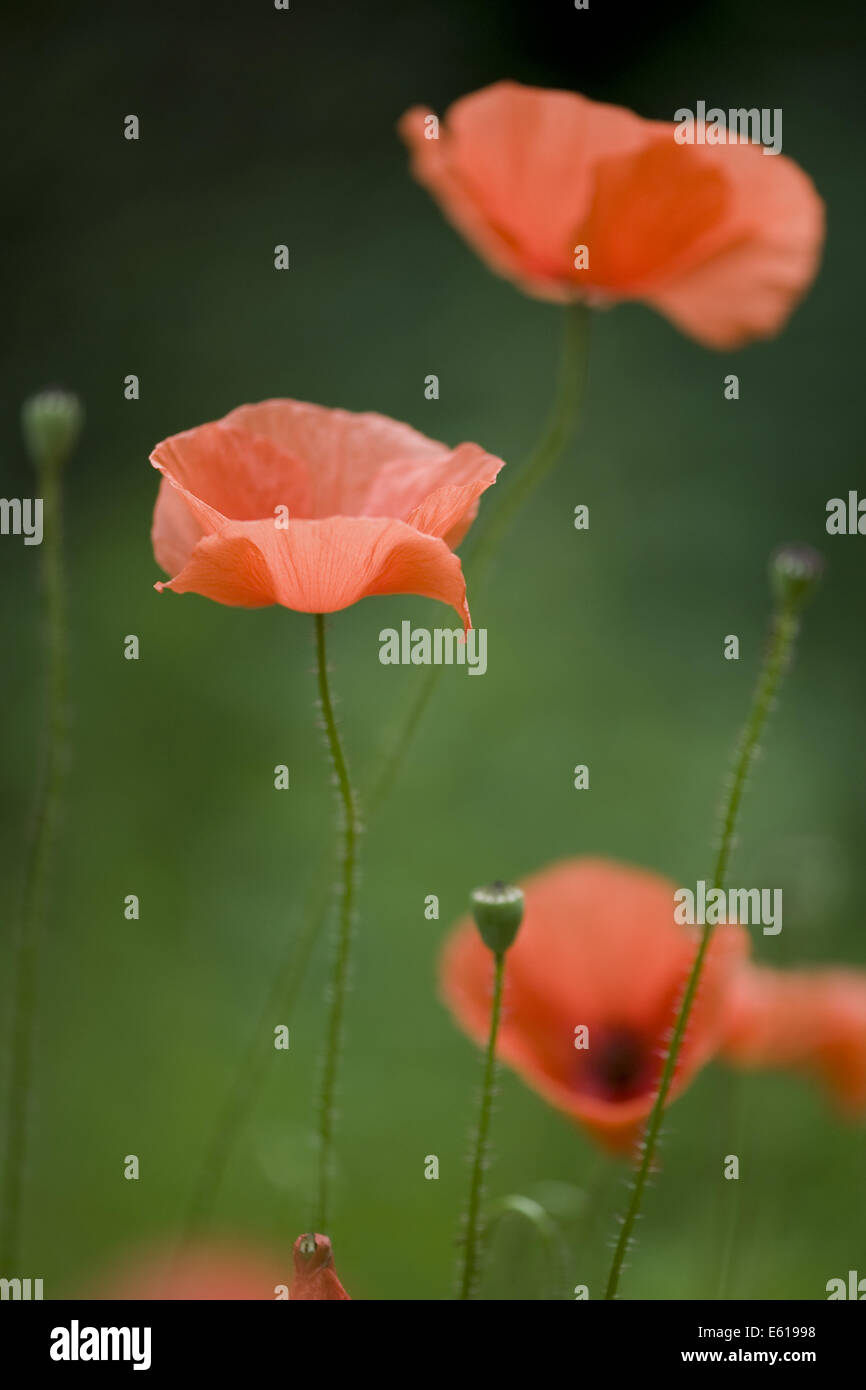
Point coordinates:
pixel 156 257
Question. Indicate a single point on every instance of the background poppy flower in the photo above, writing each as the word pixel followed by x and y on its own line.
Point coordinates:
pixel 209 1272
pixel 722 239
pixel 809 1020
pixel 212 1272
pixel 598 947
pixel 373 507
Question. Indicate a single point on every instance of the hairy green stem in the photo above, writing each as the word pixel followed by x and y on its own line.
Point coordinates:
pixel 37 872
pixel 349 827
pixel 562 421
pixel 245 1083
pixel 561 424
pixel 469 1269
pixel 777 658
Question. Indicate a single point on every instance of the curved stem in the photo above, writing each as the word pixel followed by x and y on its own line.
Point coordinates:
pixel 542 1222
pixel 561 424
pixel 349 826
pixel 562 421
pixel 37 873
pixel 469 1270
pixel 243 1089
pixel 778 655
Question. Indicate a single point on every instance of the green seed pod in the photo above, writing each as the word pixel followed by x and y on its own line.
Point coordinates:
pixel 51 423
pixel 498 913
pixel 794 572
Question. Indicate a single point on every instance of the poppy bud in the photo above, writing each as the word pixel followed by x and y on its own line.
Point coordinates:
pixel 51 423
pixel 498 913
pixel 315 1279
pixel 794 571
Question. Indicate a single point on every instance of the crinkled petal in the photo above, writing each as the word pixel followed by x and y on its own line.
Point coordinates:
pixel 321 566
pixel 343 451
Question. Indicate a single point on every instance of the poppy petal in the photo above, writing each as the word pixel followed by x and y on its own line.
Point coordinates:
pixel 722 238
pixel 344 452
pixel 811 1021
pixel 321 566
pixel 598 948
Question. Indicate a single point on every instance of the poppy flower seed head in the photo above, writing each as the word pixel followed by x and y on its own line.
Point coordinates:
pixel 51 423
pixel 794 572
pixel 498 913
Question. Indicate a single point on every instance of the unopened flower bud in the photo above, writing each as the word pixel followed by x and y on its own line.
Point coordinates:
pixel 51 423
pixel 498 913
pixel 794 572
pixel 315 1279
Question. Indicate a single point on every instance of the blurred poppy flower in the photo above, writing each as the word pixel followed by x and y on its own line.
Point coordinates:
pixel 592 985
pixel 209 1272
pixel 213 1272
pixel 812 1021
pixel 315 1278
pixel 314 509
pixel 720 238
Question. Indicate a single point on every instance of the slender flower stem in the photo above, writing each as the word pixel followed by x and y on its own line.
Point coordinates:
pixel 469 1269
pixel 778 655
pixel 350 830
pixel 37 871
pixel 245 1084
pixel 561 425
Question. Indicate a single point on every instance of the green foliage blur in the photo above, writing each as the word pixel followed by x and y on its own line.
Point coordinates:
pixel 156 258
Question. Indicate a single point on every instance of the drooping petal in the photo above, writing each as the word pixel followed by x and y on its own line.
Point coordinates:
pixel 750 286
pixel 513 170
pixel 813 1021
pixel 321 566
pixel 722 238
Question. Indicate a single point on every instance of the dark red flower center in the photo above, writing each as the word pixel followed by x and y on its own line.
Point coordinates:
pixel 618 1064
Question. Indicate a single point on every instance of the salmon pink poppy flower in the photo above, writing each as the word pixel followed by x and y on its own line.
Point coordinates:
pixel 813 1021
pixel 315 1279
pixel 721 238
pixel 592 985
pixel 314 509
pixel 213 1272
pixel 209 1272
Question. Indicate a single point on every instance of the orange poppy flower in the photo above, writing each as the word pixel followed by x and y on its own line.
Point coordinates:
pixel 209 1272
pixel 315 1279
pixel 809 1020
pixel 314 509
pixel 213 1272
pixel 592 985
pixel 720 238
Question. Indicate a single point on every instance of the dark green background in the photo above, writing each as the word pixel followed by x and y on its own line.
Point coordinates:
pixel 260 127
